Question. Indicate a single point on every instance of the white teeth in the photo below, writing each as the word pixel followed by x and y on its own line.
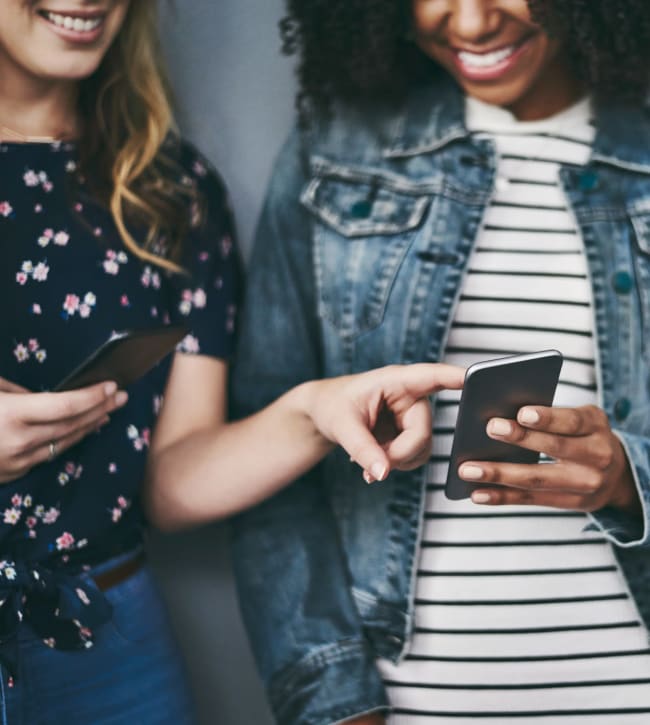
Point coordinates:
pixel 485 60
pixel 69 22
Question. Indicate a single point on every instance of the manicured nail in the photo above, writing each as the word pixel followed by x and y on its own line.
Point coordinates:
pixel 481 497
pixel 529 416
pixel 500 427
pixel 471 472
pixel 109 389
pixel 367 477
pixel 121 397
pixel 379 471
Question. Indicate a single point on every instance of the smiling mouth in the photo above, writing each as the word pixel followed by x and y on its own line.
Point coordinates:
pixel 74 23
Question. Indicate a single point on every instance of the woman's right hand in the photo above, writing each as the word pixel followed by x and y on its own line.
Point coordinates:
pixel 37 427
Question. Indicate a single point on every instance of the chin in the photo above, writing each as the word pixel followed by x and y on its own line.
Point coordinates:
pixel 69 71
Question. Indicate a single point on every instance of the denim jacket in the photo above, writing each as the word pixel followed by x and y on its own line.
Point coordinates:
pixel 359 257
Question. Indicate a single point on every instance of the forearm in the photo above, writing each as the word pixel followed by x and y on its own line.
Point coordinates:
pixel 213 473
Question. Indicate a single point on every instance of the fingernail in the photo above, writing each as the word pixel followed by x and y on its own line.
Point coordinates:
pixel 110 388
pixel 121 397
pixel 378 470
pixel 481 497
pixel 499 427
pixel 529 415
pixel 367 477
pixel 471 472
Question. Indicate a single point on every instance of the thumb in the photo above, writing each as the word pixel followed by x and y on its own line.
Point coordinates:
pixel 353 435
pixel 6 386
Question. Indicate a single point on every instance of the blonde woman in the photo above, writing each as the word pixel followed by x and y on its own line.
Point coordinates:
pixel 108 221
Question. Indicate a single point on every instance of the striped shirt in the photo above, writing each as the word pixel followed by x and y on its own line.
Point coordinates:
pixel 520 615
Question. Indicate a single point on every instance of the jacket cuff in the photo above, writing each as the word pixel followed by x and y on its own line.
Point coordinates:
pixel 330 685
pixel 619 527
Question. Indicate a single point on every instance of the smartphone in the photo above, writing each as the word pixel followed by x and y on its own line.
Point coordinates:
pixel 125 357
pixel 497 389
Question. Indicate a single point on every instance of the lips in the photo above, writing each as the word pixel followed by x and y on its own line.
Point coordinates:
pixel 490 64
pixel 78 26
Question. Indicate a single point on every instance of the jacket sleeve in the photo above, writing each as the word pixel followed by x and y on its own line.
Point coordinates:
pixel 620 528
pixel 290 570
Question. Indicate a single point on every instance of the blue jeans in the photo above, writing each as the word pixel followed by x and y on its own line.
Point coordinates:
pixel 132 676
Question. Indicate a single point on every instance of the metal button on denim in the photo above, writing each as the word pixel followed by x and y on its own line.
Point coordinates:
pixel 622 282
pixel 622 408
pixel 588 180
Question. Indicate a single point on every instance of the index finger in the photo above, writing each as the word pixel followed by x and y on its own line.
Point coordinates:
pixel 54 407
pixel 420 379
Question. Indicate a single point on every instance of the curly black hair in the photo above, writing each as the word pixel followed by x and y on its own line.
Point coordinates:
pixel 358 50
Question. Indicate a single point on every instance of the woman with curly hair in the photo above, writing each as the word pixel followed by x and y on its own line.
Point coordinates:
pixel 110 221
pixel 468 179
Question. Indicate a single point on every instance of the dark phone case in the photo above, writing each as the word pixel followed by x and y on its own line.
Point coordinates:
pixel 498 388
pixel 124 357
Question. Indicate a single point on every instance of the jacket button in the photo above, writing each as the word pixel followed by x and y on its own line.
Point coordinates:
pixel 361 209
pixel 622 408
pixel 622 282
pixel 588 180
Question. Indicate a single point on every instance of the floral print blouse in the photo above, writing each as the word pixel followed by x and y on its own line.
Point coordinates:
pixel 67 283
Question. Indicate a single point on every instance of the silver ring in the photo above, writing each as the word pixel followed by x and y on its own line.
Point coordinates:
pixel 53 450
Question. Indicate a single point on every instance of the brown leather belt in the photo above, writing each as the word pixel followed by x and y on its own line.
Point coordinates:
pixel 107 579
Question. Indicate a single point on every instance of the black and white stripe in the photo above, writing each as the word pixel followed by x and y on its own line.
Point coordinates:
pixel 520 615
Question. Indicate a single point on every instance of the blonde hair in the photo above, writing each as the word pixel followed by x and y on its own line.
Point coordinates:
pixel 126 113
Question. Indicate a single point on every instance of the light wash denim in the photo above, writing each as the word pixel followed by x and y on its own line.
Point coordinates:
pixel 358 262
pixel 131 676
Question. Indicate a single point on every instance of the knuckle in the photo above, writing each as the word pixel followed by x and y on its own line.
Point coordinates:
pixel 574 422
pixel 592 482
pixel 603 457
pixel 535 482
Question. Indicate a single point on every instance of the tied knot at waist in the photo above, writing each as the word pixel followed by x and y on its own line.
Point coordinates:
pixel 62 608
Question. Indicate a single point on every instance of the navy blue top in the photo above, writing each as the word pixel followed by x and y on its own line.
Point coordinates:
pixel 66 283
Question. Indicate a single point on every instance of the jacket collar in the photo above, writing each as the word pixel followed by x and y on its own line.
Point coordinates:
pixel 434 117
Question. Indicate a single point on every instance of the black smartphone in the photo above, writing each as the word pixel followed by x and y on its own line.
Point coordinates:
pixel 125 357
pixel 497 389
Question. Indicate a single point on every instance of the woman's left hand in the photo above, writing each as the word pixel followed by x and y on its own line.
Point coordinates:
pixel 590 469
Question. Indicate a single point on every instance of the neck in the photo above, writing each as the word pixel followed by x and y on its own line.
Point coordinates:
pixel 37 110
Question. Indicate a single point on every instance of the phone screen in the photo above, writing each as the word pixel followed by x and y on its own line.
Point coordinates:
pixel 125 357
pixel 498 388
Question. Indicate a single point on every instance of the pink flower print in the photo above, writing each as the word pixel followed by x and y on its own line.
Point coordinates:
pixel 78 207
pixel 47 186
pixel 111 266
pixel 16 499
pixel 116 514
pixel 31 522
pixel 124 301
pixel 204 256
pixel 71 304
pixel 12 516
pixel 84 310
pixel 46 237
pixel 82 596
pixel 199 298
pixel 5 208
pixel 32 533
pixel 112 467
pixel 226 246
pixel 51 515
pixel 33 344
pixel 40 272
pixel 38 208
pixel 97 231
pixel 146 436
pixel 21 278
pixel 30 178
pixel 61 238
pixel 65 541
pixel 154 312
pixel 198 168
pixel 21 352
pixel 36 309
pixel 122 502
pixel 188 344
pixel 69 467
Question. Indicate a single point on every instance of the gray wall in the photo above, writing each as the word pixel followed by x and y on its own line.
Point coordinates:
pixel 235 98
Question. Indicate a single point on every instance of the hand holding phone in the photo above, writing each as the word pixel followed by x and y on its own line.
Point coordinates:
pixel 497 389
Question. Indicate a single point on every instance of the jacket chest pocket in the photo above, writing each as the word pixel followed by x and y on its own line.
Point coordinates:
pixel 364 225
pixel 641 224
